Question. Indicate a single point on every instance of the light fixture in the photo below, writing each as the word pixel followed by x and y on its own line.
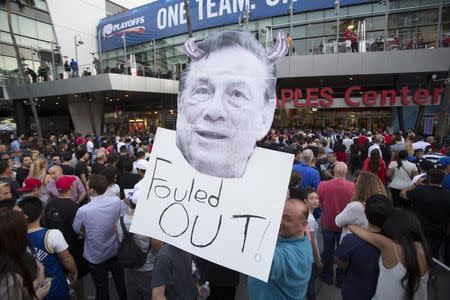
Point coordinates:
pixel 118 99
pixel 57 103
pixel 351 78
pixel 126 95
pixel 75 96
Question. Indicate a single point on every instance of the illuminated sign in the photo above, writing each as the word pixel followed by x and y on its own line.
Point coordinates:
pixel 324 98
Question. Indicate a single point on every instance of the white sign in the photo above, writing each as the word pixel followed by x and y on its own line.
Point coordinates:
pixel 233 222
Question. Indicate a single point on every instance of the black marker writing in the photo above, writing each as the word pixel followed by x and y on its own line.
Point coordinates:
pixel 174 206
pixel 214 238
pixel 248 217
pixel 154 171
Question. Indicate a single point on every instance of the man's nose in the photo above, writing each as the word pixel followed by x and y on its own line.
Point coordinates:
pixel 215 109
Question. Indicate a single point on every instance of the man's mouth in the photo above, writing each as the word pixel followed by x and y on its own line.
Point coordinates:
pixel 211 135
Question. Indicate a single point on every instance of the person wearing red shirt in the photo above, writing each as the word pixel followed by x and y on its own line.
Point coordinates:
pixel 334 195
pixel 376 165
pixel 79 140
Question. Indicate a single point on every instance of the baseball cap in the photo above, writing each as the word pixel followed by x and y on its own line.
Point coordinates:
pixel 141 164
pixel 426 165
pixel 29 184
pixel 444 161
pixel 64 182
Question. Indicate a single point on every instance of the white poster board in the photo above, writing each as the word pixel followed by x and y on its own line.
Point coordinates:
pixel 233 222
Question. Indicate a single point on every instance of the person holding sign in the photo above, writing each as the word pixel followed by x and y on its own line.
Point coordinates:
pixel 226 101
pixel 292 261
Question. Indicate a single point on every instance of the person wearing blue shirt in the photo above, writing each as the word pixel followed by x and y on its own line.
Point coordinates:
pixel 310 177
pixel 292 260
pixel 444 163
pixel 358 257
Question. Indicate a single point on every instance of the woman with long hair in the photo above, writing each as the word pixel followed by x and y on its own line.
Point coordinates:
pixel 376 165
pixel 16 281
pixel 405 260
pixel 39 170
pixel 367 185
pixel 401 171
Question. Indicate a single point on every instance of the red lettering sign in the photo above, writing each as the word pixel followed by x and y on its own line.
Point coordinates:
pixel 348 93
pixel 324 98
pixel 421 96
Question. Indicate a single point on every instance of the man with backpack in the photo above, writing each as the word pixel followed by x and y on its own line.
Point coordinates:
pixel 136 256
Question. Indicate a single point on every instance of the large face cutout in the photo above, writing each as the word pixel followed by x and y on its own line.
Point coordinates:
pixel 223 111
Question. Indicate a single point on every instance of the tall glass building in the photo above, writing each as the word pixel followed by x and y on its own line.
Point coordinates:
pixel 352 63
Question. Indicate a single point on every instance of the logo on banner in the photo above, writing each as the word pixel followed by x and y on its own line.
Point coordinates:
pixel 130 26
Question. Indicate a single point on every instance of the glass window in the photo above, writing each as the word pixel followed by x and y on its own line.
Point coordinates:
pixel 372 35
pixel 376 23
pixel 298 32
pixel 40 4
pixel 315 29
pixel 428 2
pixel 45 31
pixel 313 45
pixel 360 9
pixel 281 20
pixel 343 11
pixel 392 21
pixel 5 37
pixel 407 19
pixel 9 63
pixel 408 3
pixel 315 15
pixel 407 37
pixel 330 28
pixel 24 41
pixel 4 24
pixel 300 18
pixel 330 13
pixel 427 35
pixel 429 17
pixel 377 7
pixel 27 27
pixel 300 47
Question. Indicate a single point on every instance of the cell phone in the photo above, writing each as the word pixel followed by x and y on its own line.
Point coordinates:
pixel 47 279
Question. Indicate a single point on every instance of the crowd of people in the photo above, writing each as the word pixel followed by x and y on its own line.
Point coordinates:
pixel 380 201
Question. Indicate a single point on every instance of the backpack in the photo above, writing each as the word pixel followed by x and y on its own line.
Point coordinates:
pixel 129 254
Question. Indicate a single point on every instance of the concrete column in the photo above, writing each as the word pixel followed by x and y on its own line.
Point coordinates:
pixel 22 119
pixel 86 113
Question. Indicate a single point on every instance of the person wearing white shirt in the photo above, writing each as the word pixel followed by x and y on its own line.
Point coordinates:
pixel 376 145
pixel 89 146
pixel 420 143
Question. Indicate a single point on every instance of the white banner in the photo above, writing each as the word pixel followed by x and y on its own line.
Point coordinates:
pixel 233 222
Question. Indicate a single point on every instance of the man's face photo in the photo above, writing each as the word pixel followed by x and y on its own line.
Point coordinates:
pixel 224 108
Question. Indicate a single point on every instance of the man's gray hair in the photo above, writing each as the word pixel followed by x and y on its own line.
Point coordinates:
pixel 307 156
pixel 236 39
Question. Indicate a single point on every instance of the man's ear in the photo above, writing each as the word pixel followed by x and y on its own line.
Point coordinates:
pixel 268 110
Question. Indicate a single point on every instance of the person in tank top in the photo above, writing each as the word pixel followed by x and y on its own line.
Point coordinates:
pixel 405 258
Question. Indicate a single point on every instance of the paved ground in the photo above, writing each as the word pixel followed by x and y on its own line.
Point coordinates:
pixel 324 291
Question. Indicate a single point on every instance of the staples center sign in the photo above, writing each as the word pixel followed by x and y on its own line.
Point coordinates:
pixel 354 96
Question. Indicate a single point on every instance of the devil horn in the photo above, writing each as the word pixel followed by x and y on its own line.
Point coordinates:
pixel 192 50
pixel 279 49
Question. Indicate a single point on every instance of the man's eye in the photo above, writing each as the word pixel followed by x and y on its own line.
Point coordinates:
pixel 200 94
pixel 200 91
pixel 238 98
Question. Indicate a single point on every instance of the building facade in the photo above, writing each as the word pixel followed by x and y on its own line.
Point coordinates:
pixel 391 77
